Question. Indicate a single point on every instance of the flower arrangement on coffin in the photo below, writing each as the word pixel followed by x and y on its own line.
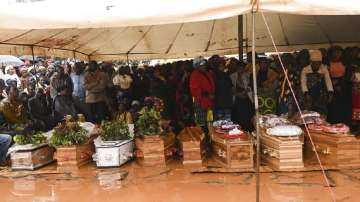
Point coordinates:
pixel 72 144
pixel 31 151
pixel 115 131
pixel 148 123
pixel 31 138
pixel 68 134
pixel 149 130
pixel 115 146
pixel 154 103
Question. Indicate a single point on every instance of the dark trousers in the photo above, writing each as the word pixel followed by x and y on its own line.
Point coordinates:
pixel 98 112
pixel 5 142
pixel 243 112
pixel 83 108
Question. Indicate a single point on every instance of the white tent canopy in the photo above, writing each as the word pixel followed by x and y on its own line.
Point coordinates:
pixel 113 29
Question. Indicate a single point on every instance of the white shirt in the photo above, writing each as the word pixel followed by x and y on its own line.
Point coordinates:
pixel 124 81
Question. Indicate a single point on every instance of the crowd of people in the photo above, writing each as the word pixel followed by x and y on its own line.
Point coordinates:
pixel 193 92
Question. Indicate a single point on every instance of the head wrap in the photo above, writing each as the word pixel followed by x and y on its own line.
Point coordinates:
pixel 135 102
pixel 315 56
pixel 141 66
pixel 198 61
pixel 7 68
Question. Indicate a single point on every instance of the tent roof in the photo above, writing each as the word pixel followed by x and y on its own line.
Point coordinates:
pixel 138 29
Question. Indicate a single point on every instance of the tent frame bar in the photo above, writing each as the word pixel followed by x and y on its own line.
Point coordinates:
pixel 39 46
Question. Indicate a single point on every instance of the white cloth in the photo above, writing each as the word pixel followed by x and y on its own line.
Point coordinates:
pixel 12 77
pixel 123 81
pixel 322 70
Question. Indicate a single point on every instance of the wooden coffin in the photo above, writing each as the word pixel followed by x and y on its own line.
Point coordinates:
pixel 154 150
pixel 76 155
pixel 280 153
pixel 232 153
pixel 339 150
pixel 32 158
pixel 191 141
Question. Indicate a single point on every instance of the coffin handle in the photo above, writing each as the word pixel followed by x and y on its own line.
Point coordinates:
pixel 325 151
pixel 221 153
pixel 270 152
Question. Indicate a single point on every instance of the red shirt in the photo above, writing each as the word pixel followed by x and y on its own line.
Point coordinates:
pixel 202 88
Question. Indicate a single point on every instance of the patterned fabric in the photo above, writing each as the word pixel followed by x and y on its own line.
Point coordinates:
pixel 13 113
pixel 285 102
pixel 318 92
pixel 200 114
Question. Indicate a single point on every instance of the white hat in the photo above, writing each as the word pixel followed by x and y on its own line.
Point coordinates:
pixel 7 68
pixel 198 61
pixel 315 56
pixel 141 66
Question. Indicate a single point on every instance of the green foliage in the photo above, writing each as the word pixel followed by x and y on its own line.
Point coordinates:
pixel 67 134
pixel 36 138
pixel 148 122
pixel 113 131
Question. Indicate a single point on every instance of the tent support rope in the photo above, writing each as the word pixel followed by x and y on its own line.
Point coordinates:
pixel 299 109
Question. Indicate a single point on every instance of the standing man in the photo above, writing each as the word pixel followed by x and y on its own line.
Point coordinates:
pixel 202 89
pixel 95 83
pixel 316 84
pixel 223 92
pixel 141 84
pixel 78 79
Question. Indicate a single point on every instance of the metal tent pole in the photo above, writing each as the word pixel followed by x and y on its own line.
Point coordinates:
pixel 240 38
pixel 33 56
pixel 256 102
pixel 127 59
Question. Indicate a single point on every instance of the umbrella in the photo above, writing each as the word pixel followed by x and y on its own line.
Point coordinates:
pixel 10 60
pixel 29 57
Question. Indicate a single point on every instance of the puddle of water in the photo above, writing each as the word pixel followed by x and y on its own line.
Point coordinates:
pixel 172 184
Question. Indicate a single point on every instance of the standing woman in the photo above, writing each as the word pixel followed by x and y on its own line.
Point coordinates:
pixel 352 61
pixel 286 103
pixel 202 88
pixel 123 81
pixel 316 84
pixel 95 83
pixel 340 107
pixel 243 111
pixel 356 98
pixel 223 92
pixel 184 103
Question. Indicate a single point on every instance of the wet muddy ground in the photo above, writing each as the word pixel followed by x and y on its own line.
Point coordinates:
pixel 133 183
